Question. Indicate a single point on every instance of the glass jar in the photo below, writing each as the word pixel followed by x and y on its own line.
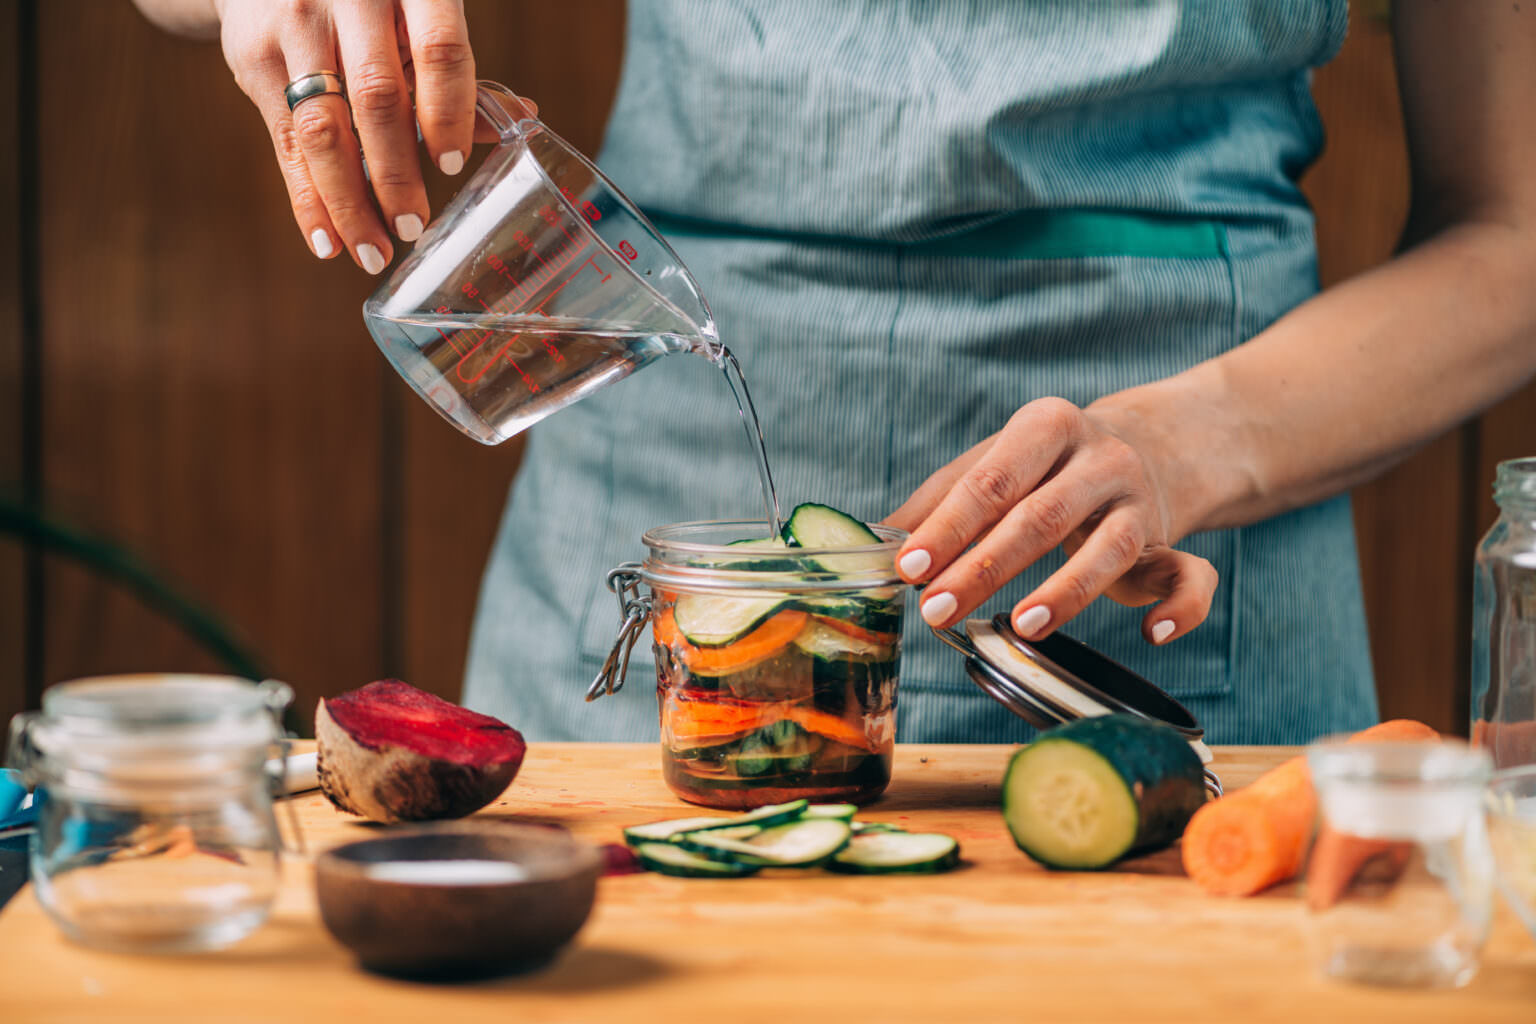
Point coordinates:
pixel 776 667
pixel 1504 622
pixel 158 833
pixel 1399 879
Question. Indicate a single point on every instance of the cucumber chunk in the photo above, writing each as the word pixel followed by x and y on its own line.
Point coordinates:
pixel 801 844
pixel 1091 792
pixel 714 620
pixel 887 853
pixel 667 859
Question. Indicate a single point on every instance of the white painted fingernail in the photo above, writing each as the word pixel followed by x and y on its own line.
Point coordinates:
pixel 938 608
pixel 451 162
pixel 370 257
pixel 408 227
pixel 322 243
pixel 1162 631
pixel 914 563
pixel 1032 620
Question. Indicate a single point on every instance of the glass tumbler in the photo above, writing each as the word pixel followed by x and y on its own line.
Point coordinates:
pixel 158 834
pixel 1399 879
pixel 1504 622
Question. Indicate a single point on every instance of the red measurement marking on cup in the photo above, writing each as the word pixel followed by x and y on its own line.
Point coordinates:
pixel 449 338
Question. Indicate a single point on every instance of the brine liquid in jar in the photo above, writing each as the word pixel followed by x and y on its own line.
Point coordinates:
pixel 801 705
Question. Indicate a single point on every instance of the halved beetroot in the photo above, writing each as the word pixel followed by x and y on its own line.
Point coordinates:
pixel 391 752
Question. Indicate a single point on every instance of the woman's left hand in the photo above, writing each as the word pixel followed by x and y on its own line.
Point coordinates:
pixel 1056 474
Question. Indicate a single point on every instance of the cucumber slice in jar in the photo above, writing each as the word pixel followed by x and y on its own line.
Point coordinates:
pixel 813 525
pixel 888 853
pixel 874 615
pixel 715 620
pixel 667 859
pixel 1091 792
pixel 801 844
pixel 824 643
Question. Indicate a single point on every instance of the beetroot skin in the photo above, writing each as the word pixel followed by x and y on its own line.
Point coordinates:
pixel 391 752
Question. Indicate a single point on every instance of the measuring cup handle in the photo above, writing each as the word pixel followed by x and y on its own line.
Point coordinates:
pixel 490 107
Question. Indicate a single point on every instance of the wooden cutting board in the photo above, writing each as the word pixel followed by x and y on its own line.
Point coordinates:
pixel 999 940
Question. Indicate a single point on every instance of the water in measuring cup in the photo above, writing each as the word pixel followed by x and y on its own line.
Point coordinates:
pixel 495 376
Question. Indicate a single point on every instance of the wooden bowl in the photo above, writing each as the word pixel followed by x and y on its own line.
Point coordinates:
pixel 462 900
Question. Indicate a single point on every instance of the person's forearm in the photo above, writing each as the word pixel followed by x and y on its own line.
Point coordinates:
pixel 198 19
pixel 1346 384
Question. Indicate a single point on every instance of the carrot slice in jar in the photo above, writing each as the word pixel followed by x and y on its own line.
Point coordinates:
pixel 762 643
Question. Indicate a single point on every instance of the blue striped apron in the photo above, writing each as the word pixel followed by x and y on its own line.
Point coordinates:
pixel 910 219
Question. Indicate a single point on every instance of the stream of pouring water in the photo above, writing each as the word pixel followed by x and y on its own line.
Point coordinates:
pixel 726 360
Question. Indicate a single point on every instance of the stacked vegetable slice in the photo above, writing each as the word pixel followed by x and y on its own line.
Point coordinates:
pixel 797 834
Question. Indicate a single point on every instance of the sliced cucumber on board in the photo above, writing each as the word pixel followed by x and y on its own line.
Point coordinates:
pixel 812 525
pixel 837 812
pixel 765 817
pixel 1089 793
pixel 802 844
pixel 888 853
pixel 668 859
pixel 797 835
pixel 715 620
pixel 660 831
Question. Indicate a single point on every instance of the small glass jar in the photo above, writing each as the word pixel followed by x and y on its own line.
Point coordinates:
pixel 1399 880
pixel 158 834
pixel 1504 622
pixel 776 667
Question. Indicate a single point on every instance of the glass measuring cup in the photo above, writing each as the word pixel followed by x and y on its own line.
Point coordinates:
pixel 538 284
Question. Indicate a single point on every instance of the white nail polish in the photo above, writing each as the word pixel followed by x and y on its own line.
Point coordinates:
pixel 1162 631
pixel 939 608
pixel 408 227
pixel 370 257
pixel 322 243
pixel 1032 620
pixel 451 162
pixel 914 563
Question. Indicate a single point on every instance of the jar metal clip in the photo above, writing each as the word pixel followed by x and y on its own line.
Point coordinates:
pixel 634 611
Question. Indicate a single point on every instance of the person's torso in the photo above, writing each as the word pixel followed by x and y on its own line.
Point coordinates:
pixel 910 219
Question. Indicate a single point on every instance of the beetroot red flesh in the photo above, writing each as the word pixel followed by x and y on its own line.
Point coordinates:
pixel 390 713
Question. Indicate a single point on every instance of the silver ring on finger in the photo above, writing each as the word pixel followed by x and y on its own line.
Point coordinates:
pixel 316 83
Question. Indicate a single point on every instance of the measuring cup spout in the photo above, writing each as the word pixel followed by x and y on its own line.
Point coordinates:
pixel 496 112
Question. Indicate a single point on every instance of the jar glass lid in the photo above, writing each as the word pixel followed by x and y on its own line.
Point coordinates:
pixel 153 701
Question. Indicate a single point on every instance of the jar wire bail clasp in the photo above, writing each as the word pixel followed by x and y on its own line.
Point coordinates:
pixel 634 612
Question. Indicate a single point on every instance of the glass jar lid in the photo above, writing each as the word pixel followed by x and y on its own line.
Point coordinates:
pixel 169 731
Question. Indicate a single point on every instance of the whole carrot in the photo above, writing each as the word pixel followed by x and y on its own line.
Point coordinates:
pixel 1256 837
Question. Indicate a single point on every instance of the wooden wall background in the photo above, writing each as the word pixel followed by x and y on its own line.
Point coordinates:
pixel 178 374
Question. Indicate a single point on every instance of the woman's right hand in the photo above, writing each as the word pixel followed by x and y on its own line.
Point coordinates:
pixel 381 48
